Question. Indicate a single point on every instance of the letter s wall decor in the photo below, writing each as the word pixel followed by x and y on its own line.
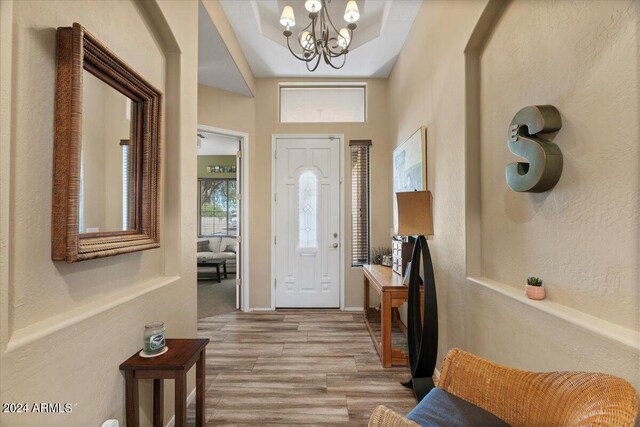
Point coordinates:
pixel 545 158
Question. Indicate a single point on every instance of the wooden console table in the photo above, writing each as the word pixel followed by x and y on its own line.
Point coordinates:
pixel 174 364
pixel 392 294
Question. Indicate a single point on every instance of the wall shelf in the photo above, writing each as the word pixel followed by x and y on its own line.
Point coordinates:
pixel 615 333
pixel 53 324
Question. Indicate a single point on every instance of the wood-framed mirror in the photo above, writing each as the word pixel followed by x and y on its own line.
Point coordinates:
pixel 106 165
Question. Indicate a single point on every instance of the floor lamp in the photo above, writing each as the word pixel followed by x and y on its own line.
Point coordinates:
pixel 415 219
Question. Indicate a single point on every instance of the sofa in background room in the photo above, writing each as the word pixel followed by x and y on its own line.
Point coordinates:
pixel 215 248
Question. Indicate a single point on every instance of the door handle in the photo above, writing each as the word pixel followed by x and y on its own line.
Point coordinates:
pixel 334 246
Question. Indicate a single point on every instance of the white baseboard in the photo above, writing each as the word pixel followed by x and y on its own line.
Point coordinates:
pixel 190 399
pixel 352 309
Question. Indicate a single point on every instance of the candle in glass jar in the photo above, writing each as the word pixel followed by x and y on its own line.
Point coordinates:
pixel 154 337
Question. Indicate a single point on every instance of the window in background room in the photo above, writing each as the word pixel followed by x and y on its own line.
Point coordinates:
pixel 217 209
pixel 332 103
pixel 360 213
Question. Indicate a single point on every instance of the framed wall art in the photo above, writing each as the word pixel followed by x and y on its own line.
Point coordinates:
pixel 409 167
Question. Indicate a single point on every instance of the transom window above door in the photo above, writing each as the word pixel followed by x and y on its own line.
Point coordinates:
pixel 323 103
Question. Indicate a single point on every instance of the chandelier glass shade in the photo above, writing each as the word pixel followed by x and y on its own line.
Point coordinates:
pixel 321 39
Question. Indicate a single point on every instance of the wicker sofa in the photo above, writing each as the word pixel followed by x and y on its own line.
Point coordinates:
pixel 523 398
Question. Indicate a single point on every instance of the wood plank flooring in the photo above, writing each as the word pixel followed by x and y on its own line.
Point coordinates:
pixel 296 367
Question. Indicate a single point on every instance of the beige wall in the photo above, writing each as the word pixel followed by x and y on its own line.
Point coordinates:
pixel 67 327
pixel 585 247
pixel 226 110
pixel 582 237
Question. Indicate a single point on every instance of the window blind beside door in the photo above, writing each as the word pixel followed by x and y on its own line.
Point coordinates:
pixel 360 209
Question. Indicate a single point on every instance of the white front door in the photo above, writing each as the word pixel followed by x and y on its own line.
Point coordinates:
pixel 307 222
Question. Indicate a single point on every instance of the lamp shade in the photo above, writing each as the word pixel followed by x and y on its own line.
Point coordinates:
pixel 344 38
pixel 313 5
pixel 351 12
pixel 414 213
pixel 287 19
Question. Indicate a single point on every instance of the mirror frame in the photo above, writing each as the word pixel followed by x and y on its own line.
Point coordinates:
pixel 78 50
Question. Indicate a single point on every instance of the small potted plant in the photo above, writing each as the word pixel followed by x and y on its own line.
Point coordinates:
pixel 535 290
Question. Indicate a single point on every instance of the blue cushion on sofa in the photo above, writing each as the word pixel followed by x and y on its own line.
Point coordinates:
pixel 439 408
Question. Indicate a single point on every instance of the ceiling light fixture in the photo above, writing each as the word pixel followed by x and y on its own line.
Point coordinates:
pixel 321 39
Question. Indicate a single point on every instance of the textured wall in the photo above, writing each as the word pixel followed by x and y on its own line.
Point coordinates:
pixel 66 328
pixel 583 58
pixel 582 237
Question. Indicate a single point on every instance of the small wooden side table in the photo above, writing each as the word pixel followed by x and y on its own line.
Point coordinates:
pixel 392 294
pixel 174 364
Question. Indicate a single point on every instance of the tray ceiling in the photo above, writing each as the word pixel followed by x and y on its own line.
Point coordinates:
pixel 382 30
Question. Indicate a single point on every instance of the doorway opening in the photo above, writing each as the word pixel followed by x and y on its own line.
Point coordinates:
pixel 221 218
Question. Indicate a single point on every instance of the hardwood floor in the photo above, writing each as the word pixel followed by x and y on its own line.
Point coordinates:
pixel 297 367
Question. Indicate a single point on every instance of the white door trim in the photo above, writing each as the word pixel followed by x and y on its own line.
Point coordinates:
pixel 274 137
pixel 244 161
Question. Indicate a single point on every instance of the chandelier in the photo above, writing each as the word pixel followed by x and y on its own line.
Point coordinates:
pixel 321 39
